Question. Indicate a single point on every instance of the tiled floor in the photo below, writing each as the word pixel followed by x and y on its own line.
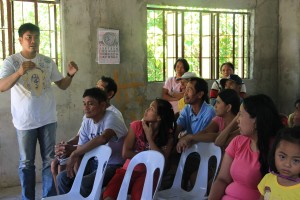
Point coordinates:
pixel 14 193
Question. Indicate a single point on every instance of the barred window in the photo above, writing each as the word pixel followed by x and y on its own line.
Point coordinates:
pixel 44 13
pixel 206 38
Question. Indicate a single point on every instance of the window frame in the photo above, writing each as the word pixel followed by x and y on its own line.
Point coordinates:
pixel 244 68
pixel 9 31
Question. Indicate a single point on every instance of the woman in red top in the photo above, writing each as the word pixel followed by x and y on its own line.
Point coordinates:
pixel 155 132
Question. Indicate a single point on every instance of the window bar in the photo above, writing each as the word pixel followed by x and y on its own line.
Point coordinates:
pixel 243 46
pixel 164 45
pixel 248 40
pixel 233 41
pixel 55 35
pixel 182 33
pixel 218 45
pixel 200 45
pixel 176 35
pixel 36 14
pixel 49 31
pixel 2 29
pixel 11 26
pixel 40 1
pixel 213 56
pixel 212 49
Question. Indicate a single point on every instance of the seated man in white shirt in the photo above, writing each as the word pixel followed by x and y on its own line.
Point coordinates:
pixel 64 149
pixel 99 127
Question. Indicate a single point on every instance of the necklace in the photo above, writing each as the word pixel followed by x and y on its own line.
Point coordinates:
pixel 297 180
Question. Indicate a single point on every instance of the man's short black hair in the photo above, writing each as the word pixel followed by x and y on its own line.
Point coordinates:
pixel 296 102
pixel 233 77
pixel 201 86
pixel 111 85
pixel 95 93
pixel 28 27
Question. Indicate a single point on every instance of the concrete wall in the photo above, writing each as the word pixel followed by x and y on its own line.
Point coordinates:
pixel 80 22
pixel 288 82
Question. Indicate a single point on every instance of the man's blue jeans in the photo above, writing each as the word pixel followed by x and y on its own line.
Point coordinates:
pixel 27 140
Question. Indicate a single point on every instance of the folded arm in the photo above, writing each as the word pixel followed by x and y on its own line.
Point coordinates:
pixel 209 134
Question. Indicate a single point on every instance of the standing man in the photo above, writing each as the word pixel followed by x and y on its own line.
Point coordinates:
pixel 29 76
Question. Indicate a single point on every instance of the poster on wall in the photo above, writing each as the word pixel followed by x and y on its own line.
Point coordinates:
pixel 108 46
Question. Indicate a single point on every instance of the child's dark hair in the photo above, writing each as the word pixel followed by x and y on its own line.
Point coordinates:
pixel 291 135
pixel 201 86
pixel 184 62
pixel 167 123
pixel 231 97
pixel 296 102
pixel 28 27
pixel 95 93
pixel 111 85
pixel 229 64
pixel 268 122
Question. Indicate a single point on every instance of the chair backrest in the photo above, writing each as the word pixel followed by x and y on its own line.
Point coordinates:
pixel 102 153
pixel 153 160
pixel 206 151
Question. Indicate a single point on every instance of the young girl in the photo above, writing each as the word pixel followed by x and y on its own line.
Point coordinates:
pixel 154 132
pixel 294 118
pixel 283 181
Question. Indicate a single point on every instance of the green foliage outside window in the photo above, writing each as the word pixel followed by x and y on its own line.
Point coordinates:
pixel 155 45
pixel 205 38
pixel 48 18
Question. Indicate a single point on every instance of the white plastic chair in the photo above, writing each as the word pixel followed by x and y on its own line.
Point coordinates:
pixel 205 150
pixel 153 160
pixel 102 153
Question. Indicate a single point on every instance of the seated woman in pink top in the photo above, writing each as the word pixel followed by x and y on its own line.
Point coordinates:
pixel 155 131
pixel 227 107
pixel 172 88
pixel 245 159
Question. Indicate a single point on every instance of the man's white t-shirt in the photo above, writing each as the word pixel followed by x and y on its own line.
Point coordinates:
pixel 116 111
pixel 32 100
pixel 89 130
